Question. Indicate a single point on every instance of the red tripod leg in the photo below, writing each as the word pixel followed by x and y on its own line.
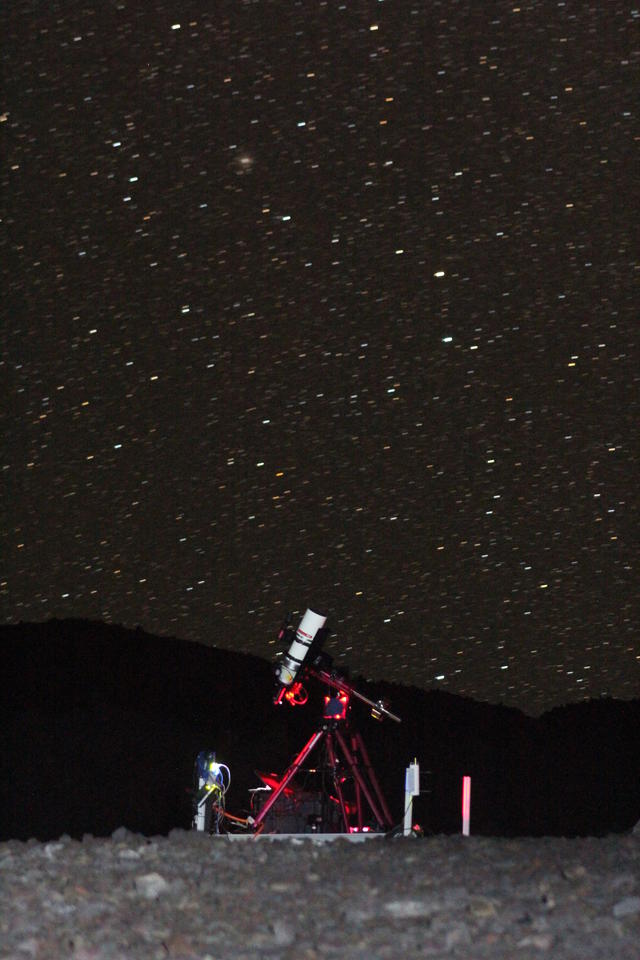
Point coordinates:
pixel 332 760
pixel 358 745
pixel 360 780
pixel 359 806
pixel 291 772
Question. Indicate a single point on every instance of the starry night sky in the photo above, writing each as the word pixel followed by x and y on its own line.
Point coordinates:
pixel 328 304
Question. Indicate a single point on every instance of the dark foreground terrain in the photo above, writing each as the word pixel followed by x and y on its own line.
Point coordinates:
pixel 193 896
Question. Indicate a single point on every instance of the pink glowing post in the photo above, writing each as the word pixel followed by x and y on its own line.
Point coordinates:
pixel 466 805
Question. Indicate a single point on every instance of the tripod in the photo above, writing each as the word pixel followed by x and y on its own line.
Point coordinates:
pixel 354 757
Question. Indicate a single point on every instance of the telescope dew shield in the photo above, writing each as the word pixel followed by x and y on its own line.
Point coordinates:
pixel 305 634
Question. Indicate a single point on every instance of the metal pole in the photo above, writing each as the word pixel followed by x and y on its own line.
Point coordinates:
pixel 339 683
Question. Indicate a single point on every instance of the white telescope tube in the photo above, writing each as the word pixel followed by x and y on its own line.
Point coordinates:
pixel 305 634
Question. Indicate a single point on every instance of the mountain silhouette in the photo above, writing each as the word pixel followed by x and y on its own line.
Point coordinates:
pixel 100 727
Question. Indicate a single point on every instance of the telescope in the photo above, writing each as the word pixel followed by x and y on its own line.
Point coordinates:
pixel 304 636
pixel 349 781
pixel 347 795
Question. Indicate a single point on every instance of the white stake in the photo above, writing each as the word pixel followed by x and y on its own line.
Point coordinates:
pixel 411 790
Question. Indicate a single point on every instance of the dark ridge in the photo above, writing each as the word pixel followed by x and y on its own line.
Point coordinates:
pixel 100 726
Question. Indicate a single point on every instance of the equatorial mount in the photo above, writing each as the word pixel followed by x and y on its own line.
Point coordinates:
pixel 310 634
pixel 351 776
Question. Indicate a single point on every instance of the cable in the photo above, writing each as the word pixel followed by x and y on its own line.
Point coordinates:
pixel 222 768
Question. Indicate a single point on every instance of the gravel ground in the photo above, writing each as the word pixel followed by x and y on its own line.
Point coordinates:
pixel 192 896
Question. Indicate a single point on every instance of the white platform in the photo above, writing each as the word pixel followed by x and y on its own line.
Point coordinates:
pixel 300 837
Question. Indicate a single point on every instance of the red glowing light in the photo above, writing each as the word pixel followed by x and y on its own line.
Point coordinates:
pixel 335 707
pixel 296 695
pixel 273 780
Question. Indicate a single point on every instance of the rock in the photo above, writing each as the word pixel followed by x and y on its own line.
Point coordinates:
pixel 51 849
pixel 178 834
pixel 575 871
pixel 283 933
pixel 122 835
pixel 626 907
pixel 151 885
pixel 457 935
pixel 408 909
pixel 539 941
pixel 128 854
pixel 482 907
